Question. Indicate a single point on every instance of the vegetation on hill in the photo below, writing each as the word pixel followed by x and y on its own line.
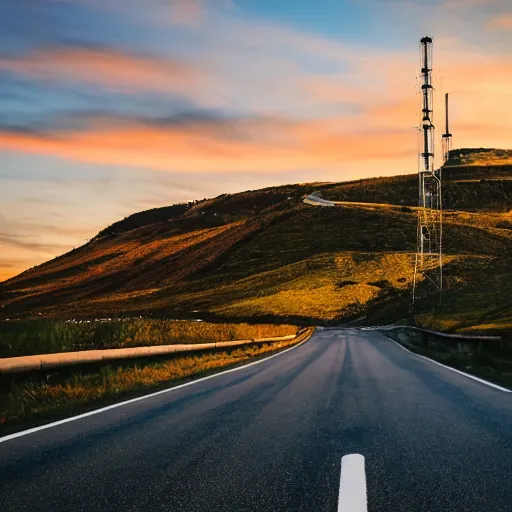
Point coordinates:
pixel 146 217
pixel 479 157
pixel 477 188
pixel 264 256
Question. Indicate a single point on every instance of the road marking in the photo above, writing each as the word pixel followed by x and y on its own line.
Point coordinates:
pixel 352 497
pixel 138 399
pixel 478 379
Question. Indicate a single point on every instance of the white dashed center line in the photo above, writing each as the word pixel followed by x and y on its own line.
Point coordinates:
pixel 352 497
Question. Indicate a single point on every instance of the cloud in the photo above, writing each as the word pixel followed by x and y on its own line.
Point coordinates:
pixel 243 145
pixel 187 12
pixel 113 69
pixel 471 3
pixel 377 125
pixel 8 264
pixel 501 22
pixel 25 242
pixel 22 243
pixel 206 90
pixel 370 120
pixel 10 268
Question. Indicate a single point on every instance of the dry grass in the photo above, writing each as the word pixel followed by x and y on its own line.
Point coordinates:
pixel 47 336
pixel 325 302
pixel 396 269
pixel 326 287
pixel 479 186
pixel 477 297
pixel 501 326
pixel 480 157
pixel 482 220
pixel 114 256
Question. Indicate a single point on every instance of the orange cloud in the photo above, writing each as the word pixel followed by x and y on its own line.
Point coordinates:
pixel 378 84
pixel 379 130
pixel 112 69
pixel 20 253
pixel 503 21
pixel 256 146
pixel 10 268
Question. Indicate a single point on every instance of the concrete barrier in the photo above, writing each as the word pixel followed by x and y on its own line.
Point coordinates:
pixel 62 359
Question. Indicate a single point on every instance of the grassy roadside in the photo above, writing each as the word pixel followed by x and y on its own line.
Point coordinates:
pixel 28 337
pixel 496 370
pixel 28 401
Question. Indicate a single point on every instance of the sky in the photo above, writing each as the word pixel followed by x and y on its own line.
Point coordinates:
pixel 109 107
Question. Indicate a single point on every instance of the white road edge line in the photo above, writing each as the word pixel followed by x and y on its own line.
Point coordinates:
pixel 478 379
pixel 352 497
pixel 144 397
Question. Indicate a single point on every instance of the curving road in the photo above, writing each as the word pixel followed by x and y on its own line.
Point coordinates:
pixel 314 200
pixel 270 437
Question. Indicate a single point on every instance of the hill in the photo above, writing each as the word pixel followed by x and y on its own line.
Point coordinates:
pixel 479 157
pixel 264 255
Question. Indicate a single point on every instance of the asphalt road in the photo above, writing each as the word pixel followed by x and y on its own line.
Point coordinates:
pixel 271 437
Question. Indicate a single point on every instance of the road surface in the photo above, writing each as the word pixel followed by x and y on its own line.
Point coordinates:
pixel 314 200
pixel 271 437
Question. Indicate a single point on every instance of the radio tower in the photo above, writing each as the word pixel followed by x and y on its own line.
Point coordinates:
pixel 447 136
pixel 429 258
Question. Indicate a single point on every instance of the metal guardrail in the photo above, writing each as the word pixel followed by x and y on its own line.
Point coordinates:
pixel 476 346
pixel 440 334
pixel 62 359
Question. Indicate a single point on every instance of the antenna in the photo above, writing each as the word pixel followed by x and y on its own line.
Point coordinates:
pixel 447 136
pixel 429 261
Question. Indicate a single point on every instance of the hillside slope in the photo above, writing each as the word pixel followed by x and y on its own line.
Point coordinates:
pixel 264 255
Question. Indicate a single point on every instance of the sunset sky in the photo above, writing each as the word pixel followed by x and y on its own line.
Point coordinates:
pixel 109 107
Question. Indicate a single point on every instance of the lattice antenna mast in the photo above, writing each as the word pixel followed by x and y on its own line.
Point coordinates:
pixel 428 266
pixel 427 90
pixel 447 136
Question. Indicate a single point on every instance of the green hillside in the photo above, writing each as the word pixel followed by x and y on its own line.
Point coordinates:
pixel 264 255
